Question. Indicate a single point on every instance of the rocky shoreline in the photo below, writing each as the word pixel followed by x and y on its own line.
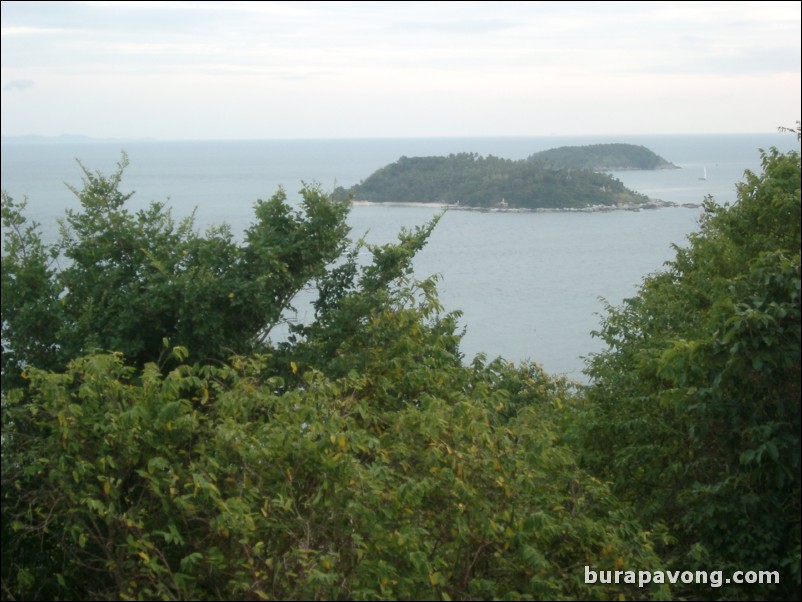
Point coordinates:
pixel 650 204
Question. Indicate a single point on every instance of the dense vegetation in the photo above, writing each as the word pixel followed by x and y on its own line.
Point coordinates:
pixel 694 415
pixel 132 280
pixel 364 458
pixel 359 459
pixel 475 181
pixel 602 157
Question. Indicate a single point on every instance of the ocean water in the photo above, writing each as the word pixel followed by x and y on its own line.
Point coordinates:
pixel 529 285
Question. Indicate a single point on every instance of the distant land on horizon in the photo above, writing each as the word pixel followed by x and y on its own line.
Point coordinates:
pixel 81 138
pixel 561 178
pixel 65 138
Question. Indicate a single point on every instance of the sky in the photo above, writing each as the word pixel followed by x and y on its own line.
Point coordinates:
pixel 259 70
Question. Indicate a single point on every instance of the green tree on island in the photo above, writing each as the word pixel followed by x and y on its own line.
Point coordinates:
pixel 471 180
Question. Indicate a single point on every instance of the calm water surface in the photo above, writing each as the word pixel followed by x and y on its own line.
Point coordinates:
pixel 529 285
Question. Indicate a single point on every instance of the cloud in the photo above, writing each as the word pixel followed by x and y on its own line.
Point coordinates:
pixel 267 8
pixel 28 31
pixel 18 85
pixel 493 64
pixel 466 26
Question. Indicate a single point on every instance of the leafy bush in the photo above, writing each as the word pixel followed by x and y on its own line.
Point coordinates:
pixel 360 459
pixel 694 410
pixel 130 280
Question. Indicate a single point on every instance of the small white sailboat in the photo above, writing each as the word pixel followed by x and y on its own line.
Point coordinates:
pixel 704 174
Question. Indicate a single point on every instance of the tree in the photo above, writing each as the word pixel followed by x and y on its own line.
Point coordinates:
pixel 132 280
pixel 478 181
pixel 220 482
pixel 362 459
pixel 694 410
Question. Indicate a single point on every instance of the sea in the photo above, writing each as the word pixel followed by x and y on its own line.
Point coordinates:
pixel 530 286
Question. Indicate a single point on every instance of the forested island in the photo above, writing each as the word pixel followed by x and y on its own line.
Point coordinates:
pixel 563 178
pixel 602 157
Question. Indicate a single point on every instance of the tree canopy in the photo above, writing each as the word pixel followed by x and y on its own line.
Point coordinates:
pixel 602 157
pixel 123 281
pixel 472 180
pixel 359 459
pixel 157 445
pixel 694 411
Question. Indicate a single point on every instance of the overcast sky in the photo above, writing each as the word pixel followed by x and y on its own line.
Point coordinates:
pixel 228 70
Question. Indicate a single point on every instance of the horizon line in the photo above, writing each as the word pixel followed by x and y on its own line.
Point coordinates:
pixel 77 138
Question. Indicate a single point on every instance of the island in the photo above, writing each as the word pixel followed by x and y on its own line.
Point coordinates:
pixel 471 181
pixel 603 157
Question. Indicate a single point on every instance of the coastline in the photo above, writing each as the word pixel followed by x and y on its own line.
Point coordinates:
pixel 650 204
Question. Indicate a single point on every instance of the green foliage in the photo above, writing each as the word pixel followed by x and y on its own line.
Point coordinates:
pixel 361 459
pixel 602 157
pixel 694 410
pixel 211 483
pixel 30 294
pixel 130 280
pixel 360 307
pixel 475 181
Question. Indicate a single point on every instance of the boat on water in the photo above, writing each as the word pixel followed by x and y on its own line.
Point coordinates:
pixel 704 174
